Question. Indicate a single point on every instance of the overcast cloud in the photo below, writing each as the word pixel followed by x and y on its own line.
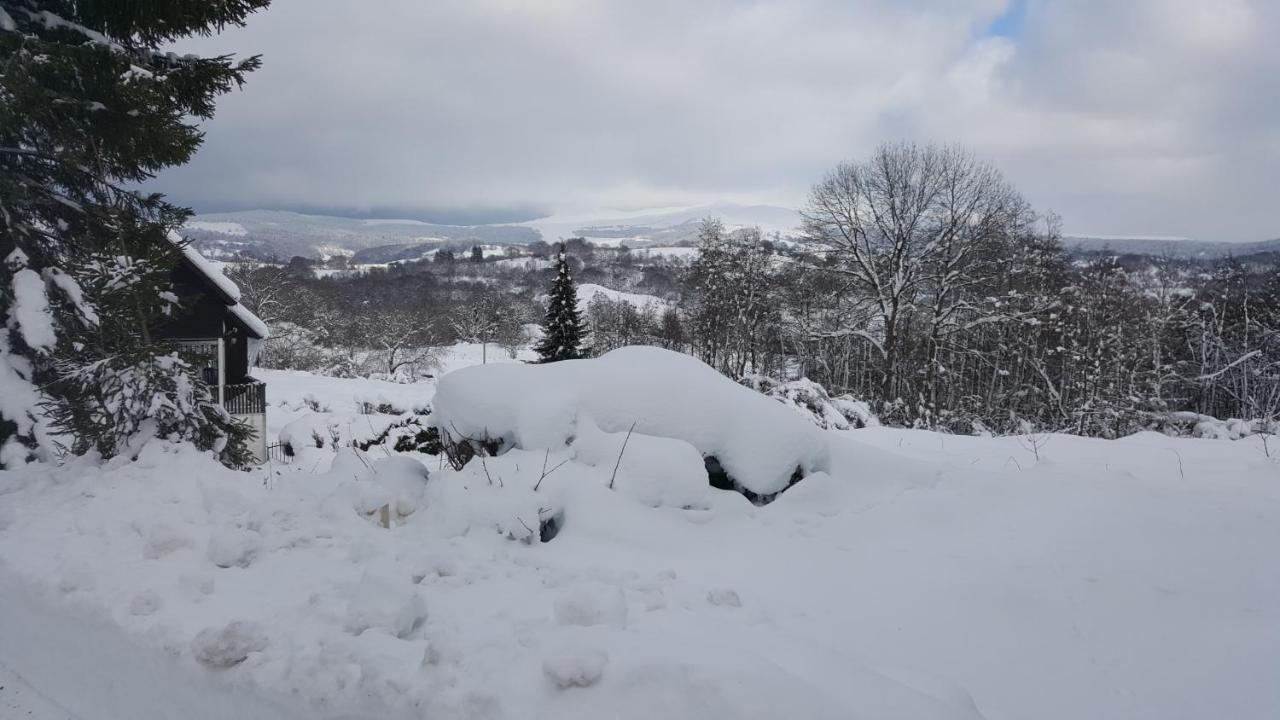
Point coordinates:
pixel 1126 117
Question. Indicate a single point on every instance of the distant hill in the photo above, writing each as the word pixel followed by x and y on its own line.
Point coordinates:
pixel 281 234
pixel 1182 248
pixel 667 226
pixel 276 233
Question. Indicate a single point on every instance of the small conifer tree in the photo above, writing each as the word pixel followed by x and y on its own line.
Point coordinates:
pixel 562 327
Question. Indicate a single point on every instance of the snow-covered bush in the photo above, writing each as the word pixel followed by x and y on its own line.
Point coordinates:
pixel 293 347
pixel 760 444
pixel 811 400
pixel 115 404
pixel 1207 426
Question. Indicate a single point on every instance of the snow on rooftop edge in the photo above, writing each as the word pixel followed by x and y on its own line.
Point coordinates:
pixel 758 441
pixel 251 321
pixel 224 284
pixel 205 268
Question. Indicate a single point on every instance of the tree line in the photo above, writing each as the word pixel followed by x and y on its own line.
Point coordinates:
pixel 924 283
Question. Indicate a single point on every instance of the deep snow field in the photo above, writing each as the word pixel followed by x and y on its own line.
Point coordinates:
pixel 909 575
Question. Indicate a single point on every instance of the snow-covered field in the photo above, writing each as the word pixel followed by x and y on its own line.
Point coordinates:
pixel 589 291
pixel 910 575
pixel 226 228
pixel 679 252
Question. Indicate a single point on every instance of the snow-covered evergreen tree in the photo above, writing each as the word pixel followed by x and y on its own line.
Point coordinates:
pixel 89 106
pixel 562 326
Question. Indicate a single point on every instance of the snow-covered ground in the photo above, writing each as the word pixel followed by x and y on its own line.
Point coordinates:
pixel 589 291
pixel 677 252
pixel 226 228
pixel 525 263
pixel 921 576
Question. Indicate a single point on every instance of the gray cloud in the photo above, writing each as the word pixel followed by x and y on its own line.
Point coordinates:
pixel 1147 116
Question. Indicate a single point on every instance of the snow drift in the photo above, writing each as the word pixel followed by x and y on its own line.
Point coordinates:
pixel 761 444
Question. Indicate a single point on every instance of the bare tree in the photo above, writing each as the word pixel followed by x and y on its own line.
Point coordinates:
pixel 401 337
pixel 913 231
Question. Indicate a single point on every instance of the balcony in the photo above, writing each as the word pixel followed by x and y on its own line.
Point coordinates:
pixel 243 398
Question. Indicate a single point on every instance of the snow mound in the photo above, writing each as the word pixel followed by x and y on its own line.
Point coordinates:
pixel 662 394
pixel 656 471
pixel 146 602
pixel 234 547
pixel 161 539
pixel 575 666
pixel 228 645
pixel 724 597
pixel 585 607
pixel 379 604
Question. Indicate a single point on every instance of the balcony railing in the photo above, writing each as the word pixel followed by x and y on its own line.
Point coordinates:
pixel 245 398
pixel 238 398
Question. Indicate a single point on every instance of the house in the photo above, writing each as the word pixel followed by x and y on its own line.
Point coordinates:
pixel 215 327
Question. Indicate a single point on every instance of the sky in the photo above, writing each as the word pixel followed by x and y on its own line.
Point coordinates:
pixel 1133 117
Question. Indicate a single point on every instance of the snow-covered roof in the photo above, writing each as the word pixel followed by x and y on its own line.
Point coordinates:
pixel 223 285
pixel 230 293
pixel 251 323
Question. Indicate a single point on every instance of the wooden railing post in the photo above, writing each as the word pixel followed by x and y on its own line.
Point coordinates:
pixel 222 372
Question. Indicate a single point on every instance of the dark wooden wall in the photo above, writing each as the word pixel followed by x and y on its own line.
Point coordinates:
pixel 202 314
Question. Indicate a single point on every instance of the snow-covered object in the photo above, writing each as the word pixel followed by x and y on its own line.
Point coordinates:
pixel 30 310
pixel 840 412
pixel 663 393
pixel 19 401
pixel 654 470
pixel 74 294
pixel 223 647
